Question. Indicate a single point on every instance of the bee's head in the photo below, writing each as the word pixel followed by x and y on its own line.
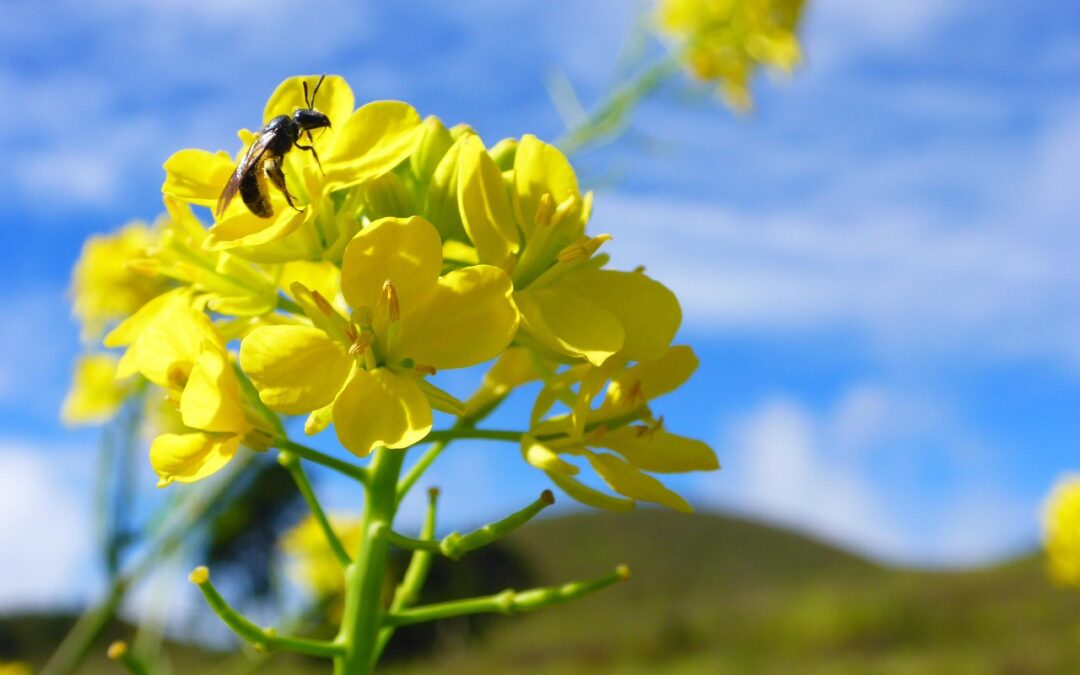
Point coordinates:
pixel 309 118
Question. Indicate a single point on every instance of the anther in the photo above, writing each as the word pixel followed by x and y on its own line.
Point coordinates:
pixel 565 207
pixel 322 304
pixel 424 370
pixel 361 342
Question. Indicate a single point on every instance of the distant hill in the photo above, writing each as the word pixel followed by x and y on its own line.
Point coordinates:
pixel 713 595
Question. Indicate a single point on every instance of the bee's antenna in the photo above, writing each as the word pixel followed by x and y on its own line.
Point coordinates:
pixel 306 101
pixel 316 91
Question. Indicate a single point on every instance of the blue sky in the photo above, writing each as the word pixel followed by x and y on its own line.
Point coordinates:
pixel 877 268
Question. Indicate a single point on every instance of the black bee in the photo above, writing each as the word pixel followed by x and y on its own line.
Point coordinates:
pixel 263 159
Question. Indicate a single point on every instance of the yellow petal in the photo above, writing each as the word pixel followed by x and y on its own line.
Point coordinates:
pixel 466 319
pixel 648 311
pixel 407 252
pixel 370 142
pixel 485 207
pixel 628 481
pixel 334 99
pixel 169 346
pixel 588 496
pixel 650 379
pixel 296 369
pixel 658 450
pixel 545 459
pixel 130 328
pixel 241 227
pixel 569 324
pixel 380 408
pixel 539 169
pixel 197 176
pixel 95 394
pixel 320 276
pixel 186 458
pixel 211 399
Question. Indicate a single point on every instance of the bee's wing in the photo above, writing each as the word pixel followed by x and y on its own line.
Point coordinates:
pixel 250 160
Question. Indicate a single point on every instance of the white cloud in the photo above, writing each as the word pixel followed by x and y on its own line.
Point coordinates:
pixel 857 474
pixel 45 525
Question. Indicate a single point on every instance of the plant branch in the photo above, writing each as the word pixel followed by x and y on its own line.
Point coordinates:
pixel 292 463
pixel 507 602
pixel 312 455
pixel 266 639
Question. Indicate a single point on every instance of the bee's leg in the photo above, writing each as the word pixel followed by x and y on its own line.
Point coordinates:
pixel 277 177
pixel 311 149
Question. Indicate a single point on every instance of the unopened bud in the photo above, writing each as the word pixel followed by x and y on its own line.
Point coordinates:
pixel 200 575
pixel 623 571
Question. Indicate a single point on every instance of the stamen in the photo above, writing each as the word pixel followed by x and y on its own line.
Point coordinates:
pixel 322 303
pixel 424 370
pixel 567 205
pixel 583 249
pixel 389 298
pixel 545 209
pixel 361 342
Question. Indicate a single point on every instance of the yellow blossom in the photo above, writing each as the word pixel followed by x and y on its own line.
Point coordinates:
pixel 360 146
pixel 726 40
pixel 15 668
pixel 312 561
pixel 407 321
pixel 103 288
pixel 96 395
pixel 622 423
pixel 1061 530
pixel 569 306
pixel 176 347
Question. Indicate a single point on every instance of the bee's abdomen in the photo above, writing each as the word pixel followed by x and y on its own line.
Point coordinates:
pixel 253 192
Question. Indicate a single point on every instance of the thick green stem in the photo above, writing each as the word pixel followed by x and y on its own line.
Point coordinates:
pixel 408 591
pixel 507 602
pixel 363 615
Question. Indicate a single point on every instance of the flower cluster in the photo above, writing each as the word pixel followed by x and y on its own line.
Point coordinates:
pixel 726 40
pixel 412 248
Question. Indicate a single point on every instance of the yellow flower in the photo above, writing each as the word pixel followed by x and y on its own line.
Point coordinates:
pixel 104 289
pixel 1061 530
pixel 176 347
pixel 15 668
pixel 569 306
pixel 360 146
pixel 312 561
pixel 588 431
pixel 367 372
pixel 726 40
pixel 96 395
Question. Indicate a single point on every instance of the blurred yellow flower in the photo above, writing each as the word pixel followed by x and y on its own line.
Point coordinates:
pixel 726 40
pixel 103 288
pixel 360 146
pixel 15 668
pixel 96 394
pixel 407 322
pixel 312 562
pixel 1061 530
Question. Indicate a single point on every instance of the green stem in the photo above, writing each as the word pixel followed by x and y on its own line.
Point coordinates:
pixel 266 639
pixel 292 463
pixel 444 435
pixel 362 617
pixel 418 469
pixel 507 602
pixel 408 591
pixel 312 455
pixel 455 545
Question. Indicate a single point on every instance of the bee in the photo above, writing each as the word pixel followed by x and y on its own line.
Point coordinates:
pixel 264 158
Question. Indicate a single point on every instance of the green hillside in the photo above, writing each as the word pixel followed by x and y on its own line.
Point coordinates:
pixel 714 595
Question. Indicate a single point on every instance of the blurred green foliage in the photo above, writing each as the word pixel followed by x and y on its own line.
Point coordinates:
pixel 715 595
